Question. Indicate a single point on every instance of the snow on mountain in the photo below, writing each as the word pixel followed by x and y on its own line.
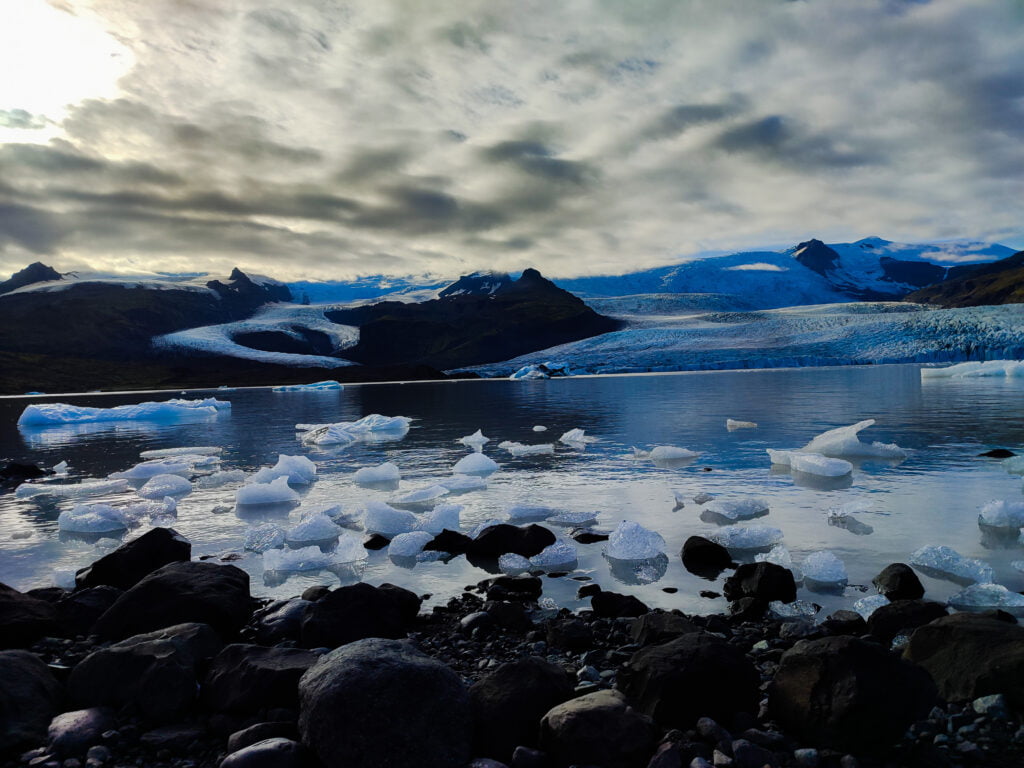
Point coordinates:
pixel 477 284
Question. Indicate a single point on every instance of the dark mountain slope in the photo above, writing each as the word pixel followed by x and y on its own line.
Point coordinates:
pixel 1001 282
pixel 36 272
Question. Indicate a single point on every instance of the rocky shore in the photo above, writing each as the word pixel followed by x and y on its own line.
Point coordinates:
pixel 155 659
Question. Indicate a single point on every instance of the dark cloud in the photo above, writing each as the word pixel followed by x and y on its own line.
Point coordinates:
pixel 778 139
pixel 536 159
pixel 685 116
pixel 34 229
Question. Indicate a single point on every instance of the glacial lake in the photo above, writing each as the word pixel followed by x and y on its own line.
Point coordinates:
pixel 931 497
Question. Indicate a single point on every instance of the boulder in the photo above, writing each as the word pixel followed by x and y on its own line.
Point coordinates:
pixel 843 693
pixel 844 622
pixel 898 581
pixel 284 729
pixel 522 587
pixel 383 703
pixel 613 605
pixel 452 542
pixel 70 734
pixel 246 679
pixel 270 753
pixel 29 698
pixel 695 675
pixel 508 615
pixel 155 673
pixel 24 619
pixel 598 729
pixel 660 627
pixel 765 581
pixel 703 557
pixel 887 621
pixel 77 611
pixel 180 593
pixel 509 703
pixel 14 473
pixel 356 612
pixel 408 602
pixel 568 633
pixel 969 656
pixel 281 620
pixel 503 538
pixel 127 565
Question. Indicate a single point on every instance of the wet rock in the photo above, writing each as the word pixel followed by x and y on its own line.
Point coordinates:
pixel 748 755
pixel 522 587
pixel 375 542
pixel 77 611
pixel 598 729
pixel 695 674
pixel 70 734
pixel 511 616
pixel 660 627
pixel 998 453
pixel 569 634
pixel 503 539
pixel 613 605
pixel 281 620
pixel 270 753
pixel 383 703
pixel 24 619
pixel 14 473
pixel 844 622
pixel 843 693
pixel 176 738
pixel 766 581
pixel 127 565
pixel 889 620
pixel 408 602
pixel 29 698
pixel 284 729
pixel 509 703
pixel 703 557
pixel 357 612
pixel 245 679
pixel 452 542
pixel 970 656
pixel 314 593
pixel 180 593
pixel 898 582
pixel 748 609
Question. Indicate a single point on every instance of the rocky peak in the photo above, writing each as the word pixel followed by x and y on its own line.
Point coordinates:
pixel 33 273
pixel 240 285
pixel 477 284
pixel 816 256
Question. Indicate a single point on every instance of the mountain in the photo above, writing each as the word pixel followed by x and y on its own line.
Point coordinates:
pixel 477 284
pixel 33 273
pixel 471 325
pixel 1000 282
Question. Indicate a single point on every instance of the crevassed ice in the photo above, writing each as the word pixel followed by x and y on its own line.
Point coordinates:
pixel 299 470
pixel 263 537
pixel 274 492
pixel 631 541
pixel 1002 513
pixel 671 452
pixel 92 518
pixel 843 441
pixel 46 414
pixel 386 520
pixel 195 450
pixel 738 509
pixel 980 597
pixel 1009 368
pixel 475 464
pixel 947 560
pixel 165 485
pixel 409 544
pixel 476 441
pixel 72 491
pixel 746 536
pixel 440 517
pixel 387 472
pixel 816 464
pixel 868 605
pixel 316 386
pixel 561 555
pixel 314 526
pixel 825 568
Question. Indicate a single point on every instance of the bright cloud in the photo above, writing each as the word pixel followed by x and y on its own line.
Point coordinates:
pixel 758 266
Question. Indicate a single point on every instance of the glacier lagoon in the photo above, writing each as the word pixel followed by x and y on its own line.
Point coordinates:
pixel 882 512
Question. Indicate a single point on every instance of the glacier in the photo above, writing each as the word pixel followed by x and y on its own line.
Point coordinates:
pixel 52 414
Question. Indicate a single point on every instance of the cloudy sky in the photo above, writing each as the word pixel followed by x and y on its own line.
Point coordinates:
pixel 330 139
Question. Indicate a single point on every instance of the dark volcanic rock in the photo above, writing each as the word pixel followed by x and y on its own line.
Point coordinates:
pixel 613 605
pixel 155 673
pixel 13 473
pixel 270 753
pixel 383 703
pixel 70 734
pixel 29 698
pixel 503 538
pixel 888 621
pixel 660 627
pixel 843 693
pixel 694 675
pixel 704 557
pixel 452 542
pixel 127 565
pixel 898 581
pixel 356 612
pixel 998 282
pixel 845 623
pixel 284 729
pixel 766 581
pixel 522 587
pixel 509 703
pixel 77 611
pixel 569 634
pixel 970 656
pixel 24 619
pixel 245 679
pixel 998 453
pixel 281 620
pixel 598 729
pixel 179 593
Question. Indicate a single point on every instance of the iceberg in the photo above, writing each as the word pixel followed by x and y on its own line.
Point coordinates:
pixel 843 441
pixel 371 428
pixel 92 518
pixel 560 556
pixel 386 520
pixel 984 597
pixel 733 424
pixel 475 464
pixel 463 483
pixel 263 537
pixel 419 497
pixel 816 464
pixel 972 370
pixel 631 541
pixel 476 441
pixel 221 478
pixel 382 473
pixel 1002 514
pixel 440 517
pixel 258 494
pixel 159 486
pixel 317 386
pixel 671 452
pixel 739 509
pixel 409 544
pixel 746 536
pixel 576 438
pixel 154 510
pixel 314 526
pixel 51 414
pixel 60 468
pixel 868 605
pixel 513 564
pixel 824 568
pixel 196 450
pixel 519 449
pixel 481 527
pixel 1014 465
pixel 946 562
pixel 70 491
pixel 298 469
pixel 349 549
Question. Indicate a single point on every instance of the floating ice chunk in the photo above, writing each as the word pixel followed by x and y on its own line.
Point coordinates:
pixel 386 520
pixel 382 473
pixel 196 450
pixel 314 526
pixel 981 597
pixel 574 518
pixel 843 441
pixel 302 559
pixel 702 498
pixel 671 452
pixel 317 386
pixel 159 486
pixel 1014 465
pixel 274 492
pixel 64 578
pixel 92 518
pixel 1008 368
pixel 349 549
pixel 475 464
pixel 330 434
pixel 746 536
pixel 640 453
pixel 409 544
pixel 519 449
pixel 371 428
pixel 816 464
pixel 576 438
pixel 558 556
pixel 779 458
pixel 148 469
pixel 631 541
pixel 72 491
pixel 463 483
pixel 50 414
pixel 476 441
pixel 780 556
pixel 947 562
pixel 824 568
pixel 154 510
pixel 419 497
pixel 738 509
pixel 298 469
pixel 263 537
pixel 522 513
pixel 513 564
pixel 732 424
pixel 220 479
pixel 540 428
pixel 1002 514
pixel 375 422
pixel 440 517
pixel 868 605
pixel 542 370
pixel 60 468
pixel 798 609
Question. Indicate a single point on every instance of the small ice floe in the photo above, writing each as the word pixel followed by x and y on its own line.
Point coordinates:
pixel 380 474
pixel 259 494
pixel 972 370
pixel 868 605
pixel 260 538
pixel 148 469
pixel 779 555
pixel 463 483
pixel 221 478
pixel 732 510
pixel 631 541
pixel 61 468
pixel 519 449
pixel 93 518
pixel 317 386
pixel 733 424
pixel 560 556
pixel 702 498
pixel 746 536
pixel 299 470
pixel 476 441
pixel 1002 514
pixel 824 570
pixel 409 544
pixel 540 428
pixel 946 563
pixel 513 564
pixel 419 498
pixel 541 371
pixel 313 527
pixel 156 511
pixel 159 486
pixel 71 491
pixel 529 513
pixel 843 441
pixel 810 463
pixel 798 609
pixel 349 550
pixel 441 517
pixel 671 453
pixel 983 597
pixel 64 578
pixel 576 438
pixel 196 450
pixel 1014 465
pixel 386 520
pixel 50 414
pixel 574 519
pixel 371 428
pixel 680 499
pixel 475 464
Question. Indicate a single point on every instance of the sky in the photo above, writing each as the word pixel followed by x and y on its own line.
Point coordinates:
pixel 321 139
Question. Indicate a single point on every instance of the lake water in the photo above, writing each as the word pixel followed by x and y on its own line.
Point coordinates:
pixel 932 497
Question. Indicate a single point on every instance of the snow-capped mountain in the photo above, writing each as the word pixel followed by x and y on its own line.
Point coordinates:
pixel 477 284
